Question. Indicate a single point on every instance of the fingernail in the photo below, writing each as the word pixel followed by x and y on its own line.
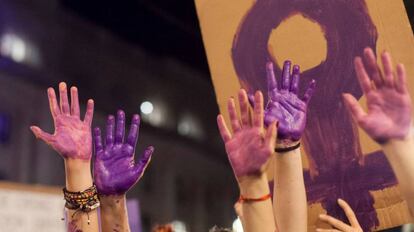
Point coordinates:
pixel 135 118
pixel 62 85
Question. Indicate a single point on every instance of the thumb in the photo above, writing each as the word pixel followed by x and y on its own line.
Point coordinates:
pixel 40 134
pixel 143 162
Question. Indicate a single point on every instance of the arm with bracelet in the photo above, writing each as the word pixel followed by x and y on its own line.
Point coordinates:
pixel 388 119
pixel 115 170
pixel 73 141
pixel 285 107
pixel 248 150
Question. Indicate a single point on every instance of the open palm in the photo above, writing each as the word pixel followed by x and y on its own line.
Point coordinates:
pixel 388 113
pixel 72 136
pixel 115 170
pixel 284 104
pixel 249 148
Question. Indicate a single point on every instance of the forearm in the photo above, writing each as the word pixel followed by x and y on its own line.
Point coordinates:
pixel 258 215
pixel 400 154
pixel 114 215
pixel 289 192
pixel 79 178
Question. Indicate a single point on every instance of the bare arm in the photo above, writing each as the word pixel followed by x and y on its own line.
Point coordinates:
pixel 114 215
pixel 289 190
pixel 400 154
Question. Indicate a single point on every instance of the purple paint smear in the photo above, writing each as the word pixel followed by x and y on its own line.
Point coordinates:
pixel 337 166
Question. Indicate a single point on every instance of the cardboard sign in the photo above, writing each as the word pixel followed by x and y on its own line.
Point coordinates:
pixel 323 37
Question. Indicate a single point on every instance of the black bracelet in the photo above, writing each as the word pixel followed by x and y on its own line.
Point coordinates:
pixel 286 149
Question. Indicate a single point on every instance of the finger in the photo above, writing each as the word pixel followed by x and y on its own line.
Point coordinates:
pixel 110 128
pixel 98 140
pixel 388 72
pixel 54 107
pixel 244 108
pixel 143 162
pixel 120 127
pixel 271 80
pixel 372 67
pixel 362 75
pixel 234 121
pixel 89 112
pixel 353 106
pixel 349 213
pixel 286 75
pixel 74 102
pixel 309 91
pixel 64 101
pixel 271 134
pixel 327 230
pixel 294 84
pixel 335 222
pixel 224 131
pixel 134 131
pixel 258 110
pixel 40 134
pixel 401 80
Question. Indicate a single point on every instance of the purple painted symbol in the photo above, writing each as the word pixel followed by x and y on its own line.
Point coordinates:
pixel 338 168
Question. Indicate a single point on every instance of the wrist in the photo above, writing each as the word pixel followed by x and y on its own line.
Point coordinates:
pixel 395 146
pixel 78 174
pixel 112 205
pixel 254 186
pixel 286 143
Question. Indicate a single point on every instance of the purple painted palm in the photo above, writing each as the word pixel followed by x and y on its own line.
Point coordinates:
pixel 284 104
pixel 115 170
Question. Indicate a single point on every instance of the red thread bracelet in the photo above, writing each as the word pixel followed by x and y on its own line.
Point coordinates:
pixel 243 199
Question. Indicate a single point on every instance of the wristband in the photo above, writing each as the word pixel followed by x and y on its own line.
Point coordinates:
pixel 84 201
pixel 243 199
pixel 286 149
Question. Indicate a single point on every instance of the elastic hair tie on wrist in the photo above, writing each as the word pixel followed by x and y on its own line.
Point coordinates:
pixel 286 149
pixel 243 199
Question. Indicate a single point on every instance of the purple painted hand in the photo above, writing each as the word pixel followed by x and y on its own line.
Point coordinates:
pixel 115 170
pixel 72 137
pixel 284 105
pixel 249 147
pixel 388 100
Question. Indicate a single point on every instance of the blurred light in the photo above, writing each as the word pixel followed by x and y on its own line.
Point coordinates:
pixel 189 126
pixel 154 113
pixel 179 226
pixel 147 107
pixel 237 225
pixel 13 47
pixel 184 127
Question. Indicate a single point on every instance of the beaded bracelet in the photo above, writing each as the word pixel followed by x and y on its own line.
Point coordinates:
pixel 84 201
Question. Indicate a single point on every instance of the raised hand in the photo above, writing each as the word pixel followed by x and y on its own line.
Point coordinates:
pixel 250 145
pixel 389 103
pixel 72 137
pixel 284 104
pixel 115 170
pixel 339 225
